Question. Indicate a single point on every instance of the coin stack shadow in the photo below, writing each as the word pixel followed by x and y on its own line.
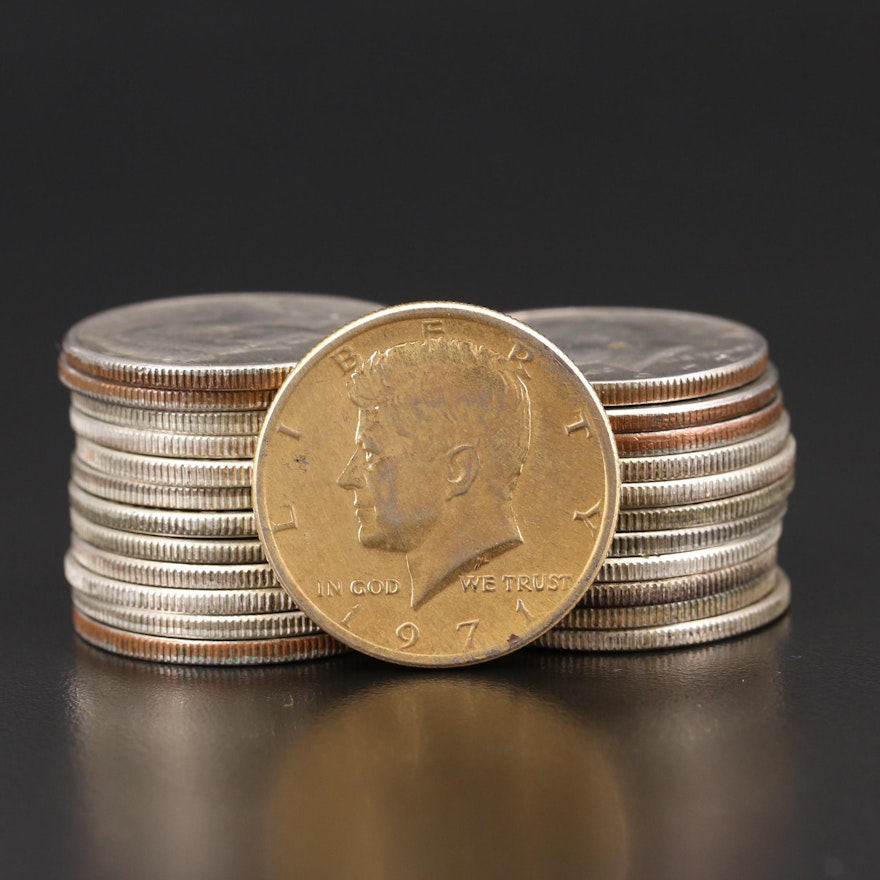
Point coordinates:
pixel 167 399
pixel 707 463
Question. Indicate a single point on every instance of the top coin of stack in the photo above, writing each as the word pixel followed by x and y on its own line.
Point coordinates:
pixel 707 462
pixel 168 397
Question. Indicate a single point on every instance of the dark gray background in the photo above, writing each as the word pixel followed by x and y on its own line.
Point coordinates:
pixel 714 157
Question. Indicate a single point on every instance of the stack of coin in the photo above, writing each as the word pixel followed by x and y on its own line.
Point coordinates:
pixel 168 397
pixel 707 463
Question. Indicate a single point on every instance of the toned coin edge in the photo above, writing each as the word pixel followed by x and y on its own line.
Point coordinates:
pixel 666 613
pixel 699 410
pixel 658 389
pixel 244 652
pixel 706 462
pixel 165 548
pixel 162 398
pixel 154 521
pixel 676 635
pixel 660 591
pixel 603 433
pixel 645 443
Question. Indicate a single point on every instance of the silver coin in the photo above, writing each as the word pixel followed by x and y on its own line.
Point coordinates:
pixel 205 551
pixel 676 635
pixel 195 652
pixel 198 626
pixel 633 616
pixel 211 341
pixel 165 471
pixel 178 575
pixel 266 600
pixel 140 441
pixel 698 411
pixel 635 355
pixel 155 521
pixel 719 510
pixel 661 493
pixel 684 540
pixel 153 495
pixel 668 565
pixel 179 399
pixel 246 422
pixel 682 588
pixel 706 462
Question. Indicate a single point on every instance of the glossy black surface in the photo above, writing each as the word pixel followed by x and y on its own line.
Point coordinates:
pixel 688 156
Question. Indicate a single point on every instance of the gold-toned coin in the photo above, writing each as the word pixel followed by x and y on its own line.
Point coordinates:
pixel 436 484
pixel 244 652
pixel 675 635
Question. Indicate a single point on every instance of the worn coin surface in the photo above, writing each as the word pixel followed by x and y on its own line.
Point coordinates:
pixel 436 484
pixel 213 341
pixel 635 355
pixel 244 652
pixel 675 635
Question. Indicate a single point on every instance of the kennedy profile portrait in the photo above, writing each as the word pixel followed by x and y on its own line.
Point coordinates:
pixel 443 430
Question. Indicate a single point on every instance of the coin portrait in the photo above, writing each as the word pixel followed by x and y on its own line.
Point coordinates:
pixel 435 484
pixel 441 439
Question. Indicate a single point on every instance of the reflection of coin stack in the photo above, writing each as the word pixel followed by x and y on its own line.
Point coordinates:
pixel 707 463
pixel 167 399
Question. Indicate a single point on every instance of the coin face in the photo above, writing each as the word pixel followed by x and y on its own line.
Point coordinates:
pixel 436 484
pixel 207 341
pixel 634 355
